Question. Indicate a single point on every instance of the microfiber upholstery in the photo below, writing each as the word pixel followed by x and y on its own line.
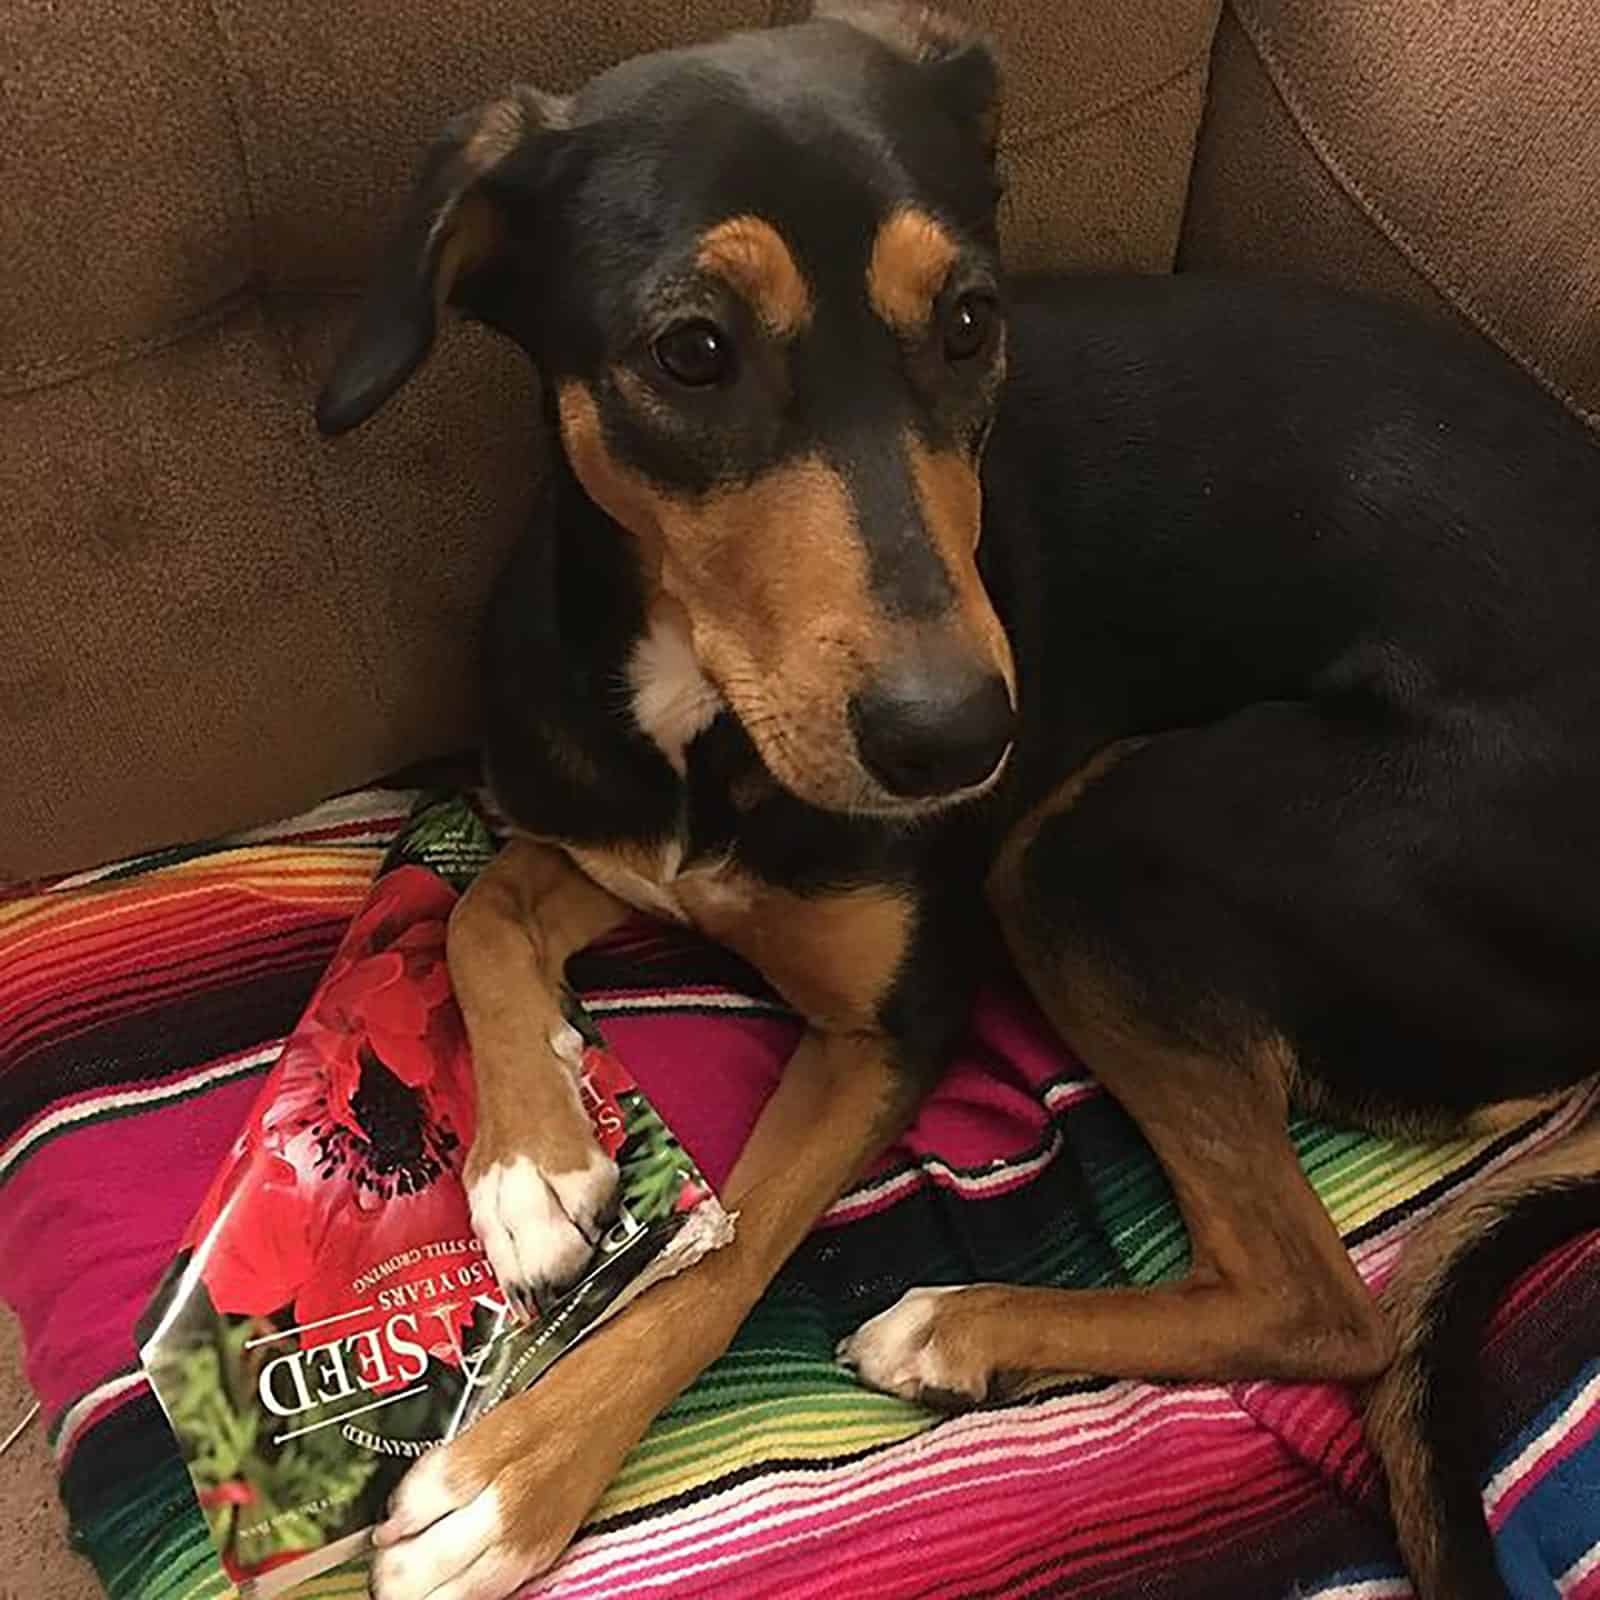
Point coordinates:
pixel 208 616
pixel 1437 153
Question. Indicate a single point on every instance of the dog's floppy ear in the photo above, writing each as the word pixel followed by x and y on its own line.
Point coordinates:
pixel 452 227
pixel 957 53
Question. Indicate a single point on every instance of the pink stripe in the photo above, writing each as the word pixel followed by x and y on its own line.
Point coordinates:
pixel 1082 1552
pixel 1129 1430
pixel 965 1499
pixel 1109 1572
pixel 112 1232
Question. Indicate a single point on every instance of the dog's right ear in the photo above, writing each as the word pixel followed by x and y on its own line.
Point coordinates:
pixel 453 227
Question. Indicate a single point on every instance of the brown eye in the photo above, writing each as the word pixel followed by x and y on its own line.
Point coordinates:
pixel 695 354
pixel 967 326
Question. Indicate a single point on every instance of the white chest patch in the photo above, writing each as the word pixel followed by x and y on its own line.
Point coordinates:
pixel 673 700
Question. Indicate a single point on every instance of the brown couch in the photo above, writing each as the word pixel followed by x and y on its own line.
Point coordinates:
pixel 207 616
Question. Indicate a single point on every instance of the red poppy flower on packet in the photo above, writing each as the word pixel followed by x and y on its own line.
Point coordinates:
pixel 342 1194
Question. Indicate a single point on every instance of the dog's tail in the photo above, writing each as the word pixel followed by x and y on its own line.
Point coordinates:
pixel 1420 1415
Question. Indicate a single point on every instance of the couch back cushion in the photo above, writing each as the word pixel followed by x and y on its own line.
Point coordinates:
pixel 211 617
pixel 1438 153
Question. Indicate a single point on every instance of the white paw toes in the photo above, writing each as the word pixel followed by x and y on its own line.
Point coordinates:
pixel 539 1229
pixel 426 1493
pixel 449 1547
pixel 443 1542
pixel 899 1351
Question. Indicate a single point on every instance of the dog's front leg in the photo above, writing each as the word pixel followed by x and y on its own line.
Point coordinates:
pixel 478 1517
pixel 538 1183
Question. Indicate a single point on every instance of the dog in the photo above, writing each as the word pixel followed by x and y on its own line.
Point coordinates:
pixel 1260 725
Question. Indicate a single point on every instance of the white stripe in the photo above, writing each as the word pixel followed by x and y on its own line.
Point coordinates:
pixel 680 1000
pixel 134 1099
pixel 1071 1092
pixel 1000 1174
pixel 1396 1588
pixel 1537 1448
pixel 388 807
pixel 79 1412
pixel 1110 1405
pixel 1579 1570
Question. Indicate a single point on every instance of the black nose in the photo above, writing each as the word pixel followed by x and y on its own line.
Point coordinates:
pixel 923 732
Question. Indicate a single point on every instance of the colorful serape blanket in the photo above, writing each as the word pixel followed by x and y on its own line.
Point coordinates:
pixel 141 1004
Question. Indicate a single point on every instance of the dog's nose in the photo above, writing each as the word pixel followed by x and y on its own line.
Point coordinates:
pixel 922 732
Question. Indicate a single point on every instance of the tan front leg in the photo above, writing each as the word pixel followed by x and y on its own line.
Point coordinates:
pixel 538 1183
pixel 496 1507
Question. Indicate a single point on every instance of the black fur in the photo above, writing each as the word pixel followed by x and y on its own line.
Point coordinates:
pixel 1339 564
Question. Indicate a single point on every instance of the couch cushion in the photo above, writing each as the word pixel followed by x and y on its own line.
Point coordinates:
pixel 1438 153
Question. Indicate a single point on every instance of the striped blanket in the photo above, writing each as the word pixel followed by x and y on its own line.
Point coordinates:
pixel 141 1004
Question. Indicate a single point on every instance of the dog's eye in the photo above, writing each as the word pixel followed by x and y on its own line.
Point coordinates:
pixel 694 354
pixel 968 326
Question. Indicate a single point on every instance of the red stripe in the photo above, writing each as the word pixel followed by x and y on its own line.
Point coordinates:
pixel 86 967
pixel 155 906
pixel 1138 1545
pixel 84 979
pixel 83 1016
pixel 1539 1279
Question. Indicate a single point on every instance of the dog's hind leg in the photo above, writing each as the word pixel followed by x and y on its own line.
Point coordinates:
pixel 1220 918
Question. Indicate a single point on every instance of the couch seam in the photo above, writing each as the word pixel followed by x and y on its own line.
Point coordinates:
pixel 243 129
pixel 1072 121
pixel 1420 260
pixel 31 376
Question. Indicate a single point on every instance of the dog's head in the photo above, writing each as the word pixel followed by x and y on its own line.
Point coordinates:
pixel 760 280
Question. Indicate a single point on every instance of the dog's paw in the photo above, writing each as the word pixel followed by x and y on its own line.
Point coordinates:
pixel 476 1518
pixel 915 1351
pixel 540 1228
pixel 540 1189
pixel 459 1552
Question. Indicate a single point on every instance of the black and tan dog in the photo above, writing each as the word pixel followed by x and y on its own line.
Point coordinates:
pixel 1264 726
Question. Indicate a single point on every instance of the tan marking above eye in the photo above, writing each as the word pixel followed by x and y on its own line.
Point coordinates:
pixel 911 258
pixel 750 255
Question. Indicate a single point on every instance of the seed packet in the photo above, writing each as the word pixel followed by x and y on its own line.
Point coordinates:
pixel 330 1315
